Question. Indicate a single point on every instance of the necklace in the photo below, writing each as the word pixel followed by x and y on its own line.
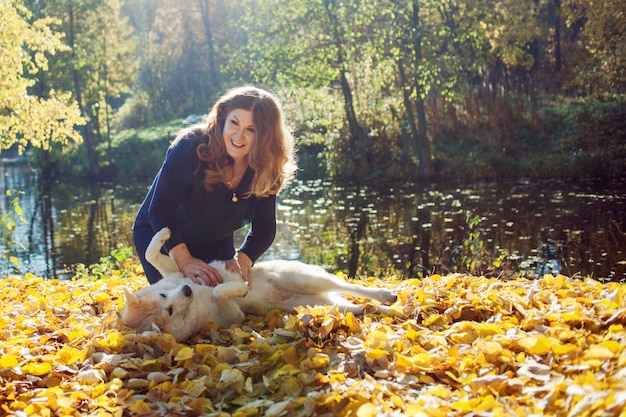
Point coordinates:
pixel 230 182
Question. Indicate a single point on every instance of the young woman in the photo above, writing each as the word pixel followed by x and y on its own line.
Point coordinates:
pixel 216 178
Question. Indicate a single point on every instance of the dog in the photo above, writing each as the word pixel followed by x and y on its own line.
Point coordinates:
pixel 177 306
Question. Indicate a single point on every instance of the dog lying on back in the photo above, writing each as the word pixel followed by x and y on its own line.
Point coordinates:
pixel 180 307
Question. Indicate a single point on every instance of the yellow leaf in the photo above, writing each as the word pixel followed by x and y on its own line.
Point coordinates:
pixel 292 386
pixel 68 355
pixel 164 341
pixel 352 323
pixel 76 334
pixel 375 354
pixel 564 349
pixel 536 345
pixel 139 407
pixel 116 340
pixel 277 354
pixel 598 352
pixel 38 369
pixel 291 323
pixel 463 337
pixel 466 405
pixel 487 403
pixel 290 355
pixel 8 361
pixel 489 329
pixel 101 297
pixel 440 391
pixel 319 360
pixel 432 319
pixel 396 401
pixel 417 410
pixel 367 410
pixel 489 347
pixel 613 345
pixel 184 354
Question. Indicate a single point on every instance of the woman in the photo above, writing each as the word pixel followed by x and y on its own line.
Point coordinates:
pixel 216 178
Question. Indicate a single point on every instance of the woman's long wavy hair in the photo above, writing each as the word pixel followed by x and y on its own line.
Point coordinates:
pixel 272 155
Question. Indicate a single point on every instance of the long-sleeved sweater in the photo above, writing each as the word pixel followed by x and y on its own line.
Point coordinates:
pixel 205 220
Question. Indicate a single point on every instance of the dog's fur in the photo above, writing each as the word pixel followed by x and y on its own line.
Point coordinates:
pixel 177 306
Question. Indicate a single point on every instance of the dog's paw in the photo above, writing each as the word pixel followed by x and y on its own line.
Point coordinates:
pixel 163 235
pixel 230 289
pixel 387 297
pixel 241 290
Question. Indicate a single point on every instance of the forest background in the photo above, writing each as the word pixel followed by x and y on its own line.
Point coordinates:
pixel 374 90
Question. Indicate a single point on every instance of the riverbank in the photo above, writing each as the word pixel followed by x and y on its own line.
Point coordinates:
pixel 456 344
pixel 570 140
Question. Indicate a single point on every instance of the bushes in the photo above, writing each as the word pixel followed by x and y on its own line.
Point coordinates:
pixel 139 153
pixel 571 140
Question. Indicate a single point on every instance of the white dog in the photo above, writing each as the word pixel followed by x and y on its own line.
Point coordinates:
pixel 180 307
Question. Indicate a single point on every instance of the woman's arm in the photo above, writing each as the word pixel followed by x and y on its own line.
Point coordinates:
pixel 172 184
pixel 263 229
pixel 259 238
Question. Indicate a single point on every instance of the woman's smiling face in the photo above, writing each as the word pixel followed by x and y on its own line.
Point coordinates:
pixel 239 133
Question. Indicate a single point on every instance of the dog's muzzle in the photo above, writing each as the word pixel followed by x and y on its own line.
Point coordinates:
pixel 186 290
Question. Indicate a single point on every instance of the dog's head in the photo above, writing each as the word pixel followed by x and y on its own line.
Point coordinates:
pixel 160 306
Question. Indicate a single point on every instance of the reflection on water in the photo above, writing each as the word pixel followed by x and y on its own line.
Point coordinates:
pixel 66 224
pixel 408 231
pixel 412 230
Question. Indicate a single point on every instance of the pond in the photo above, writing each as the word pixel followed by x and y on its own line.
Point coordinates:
pixel 410 230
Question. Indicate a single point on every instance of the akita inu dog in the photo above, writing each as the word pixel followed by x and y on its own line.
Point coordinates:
pixel 180 307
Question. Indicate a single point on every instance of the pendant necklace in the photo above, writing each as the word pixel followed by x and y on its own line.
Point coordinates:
pixel 234 198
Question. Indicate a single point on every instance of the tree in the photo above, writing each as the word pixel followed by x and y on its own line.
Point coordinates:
pixel 97 66
pixel 183 45
pixel 205 13
pixel 338 39
pixel 319 44
pixel 413 79
pixel 597 57
pixel 27 119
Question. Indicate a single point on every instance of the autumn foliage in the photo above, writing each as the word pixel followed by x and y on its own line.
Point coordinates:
pixel 455 346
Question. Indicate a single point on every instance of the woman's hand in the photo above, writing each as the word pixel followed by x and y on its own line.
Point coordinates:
pixel 193 268
pixel 240 263
pixel 200 272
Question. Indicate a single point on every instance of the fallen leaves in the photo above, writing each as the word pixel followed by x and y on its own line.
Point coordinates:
pixel 455 345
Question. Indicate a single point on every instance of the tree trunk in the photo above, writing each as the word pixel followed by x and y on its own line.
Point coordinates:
pixel 358 138
pixel 558 59
pixel 88 141
pixel 421 138
pixel 206 13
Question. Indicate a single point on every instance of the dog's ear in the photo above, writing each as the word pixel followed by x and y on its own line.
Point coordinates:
pixel 129 295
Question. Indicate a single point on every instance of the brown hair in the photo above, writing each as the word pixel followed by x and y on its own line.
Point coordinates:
pixel 272 156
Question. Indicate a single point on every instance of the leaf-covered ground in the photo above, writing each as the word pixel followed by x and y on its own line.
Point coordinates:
pixel 458 346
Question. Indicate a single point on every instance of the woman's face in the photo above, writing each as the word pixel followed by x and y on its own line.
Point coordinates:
pixel 239 133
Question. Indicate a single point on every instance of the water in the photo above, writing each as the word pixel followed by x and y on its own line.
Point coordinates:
pixel 406 231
